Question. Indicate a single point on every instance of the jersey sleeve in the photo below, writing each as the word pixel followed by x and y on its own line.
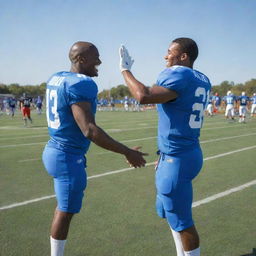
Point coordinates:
pixel 85 90
pixel 172 78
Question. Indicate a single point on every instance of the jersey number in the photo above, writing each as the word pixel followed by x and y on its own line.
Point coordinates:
pixel 229 100
pixel 51 109
pixel 196 120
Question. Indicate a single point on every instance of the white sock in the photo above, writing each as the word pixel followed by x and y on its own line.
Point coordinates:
pixel 57 247
pixel 195 252
pixel 178 243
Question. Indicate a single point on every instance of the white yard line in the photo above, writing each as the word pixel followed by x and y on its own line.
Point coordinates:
pixel 195 204
pixel 29 160
pixel 226 138
pixel 26 136
pixel 229 153
pixel 22 128
pixel 224 193
pixel 221 127
pixel 115 129
pixel 21 145
pixel 108 130
pixel 148 138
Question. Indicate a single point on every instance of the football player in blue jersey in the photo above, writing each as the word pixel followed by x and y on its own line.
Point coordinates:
pixel 70 108
pixel 181 95
pixel 243 101
pixel 230 101
pixel 210 106
pixel 253 106
pixel 216 103
pixel 12 105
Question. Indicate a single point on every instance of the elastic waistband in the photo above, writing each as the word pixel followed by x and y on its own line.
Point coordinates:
pixel 69 149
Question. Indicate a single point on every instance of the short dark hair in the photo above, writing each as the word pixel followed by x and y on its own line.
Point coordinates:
pixel 188 46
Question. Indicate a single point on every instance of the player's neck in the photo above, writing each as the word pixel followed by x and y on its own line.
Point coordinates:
pixel 75 69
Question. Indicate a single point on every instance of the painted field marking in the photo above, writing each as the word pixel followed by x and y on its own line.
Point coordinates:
pixel 26 136
pixel 46 134
pixel 112 130
pixel 226 138
pixel 208 199
pixel 147 138
pixel 224 193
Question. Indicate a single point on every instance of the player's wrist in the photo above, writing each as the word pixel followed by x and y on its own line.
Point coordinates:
pixel 125 70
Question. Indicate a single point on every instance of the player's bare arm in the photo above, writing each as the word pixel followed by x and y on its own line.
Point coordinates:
pixel 147 95
pixel 83 115
pixel 140 92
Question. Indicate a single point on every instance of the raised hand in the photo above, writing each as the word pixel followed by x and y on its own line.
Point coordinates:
pixel 126 60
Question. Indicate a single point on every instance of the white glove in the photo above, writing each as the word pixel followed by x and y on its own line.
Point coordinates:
pixel 126 60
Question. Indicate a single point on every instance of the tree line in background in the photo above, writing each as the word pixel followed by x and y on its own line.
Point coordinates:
pixel 18 90
pixel 248 87
pixel 120 91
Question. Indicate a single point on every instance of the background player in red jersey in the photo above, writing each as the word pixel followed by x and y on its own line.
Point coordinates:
pixel 25 104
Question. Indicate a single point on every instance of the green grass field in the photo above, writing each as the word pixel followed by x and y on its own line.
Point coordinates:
pixel 118 216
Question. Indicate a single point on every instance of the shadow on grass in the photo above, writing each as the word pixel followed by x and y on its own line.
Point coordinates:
pixel 253 253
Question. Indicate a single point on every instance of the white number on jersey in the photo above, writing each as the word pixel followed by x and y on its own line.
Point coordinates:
pixel 196 120
pixel 51 108
pixel 229 100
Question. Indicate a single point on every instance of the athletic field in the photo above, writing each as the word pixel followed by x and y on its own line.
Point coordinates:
pixel 118 216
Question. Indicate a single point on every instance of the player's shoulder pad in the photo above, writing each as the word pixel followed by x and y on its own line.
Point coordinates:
pixel 81 88
pixel 175 77
pixel 177 70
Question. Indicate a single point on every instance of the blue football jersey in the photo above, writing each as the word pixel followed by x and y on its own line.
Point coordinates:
pixel 229 99
pixel 217 100
pixel 210 99
pixel 243 100
pixel 253 99
pixel 180 120
pixel 63 90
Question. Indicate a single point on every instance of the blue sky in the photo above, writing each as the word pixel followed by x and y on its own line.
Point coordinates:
pixel 36 36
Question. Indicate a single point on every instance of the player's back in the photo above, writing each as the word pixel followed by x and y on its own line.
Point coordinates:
pixel 253 99
pixel 63 90
pixel 243 100
pixel 230 99
pixel 217 100
pixel 180 120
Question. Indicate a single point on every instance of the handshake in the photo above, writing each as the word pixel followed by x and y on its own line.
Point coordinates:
pixel 126 60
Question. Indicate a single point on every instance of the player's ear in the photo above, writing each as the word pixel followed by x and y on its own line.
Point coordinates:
pixel 184 56
pixel 80 59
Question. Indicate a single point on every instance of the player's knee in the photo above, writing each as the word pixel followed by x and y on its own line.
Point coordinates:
pixel 191 237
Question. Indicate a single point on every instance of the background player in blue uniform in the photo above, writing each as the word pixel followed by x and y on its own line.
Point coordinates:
pixel 39 105
pixel 230 101
pixel 70 107
pixel 182 95
pixel 244 102
pixel 12 105
pixel 210 106
pixel 253 106
pixel 216 103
